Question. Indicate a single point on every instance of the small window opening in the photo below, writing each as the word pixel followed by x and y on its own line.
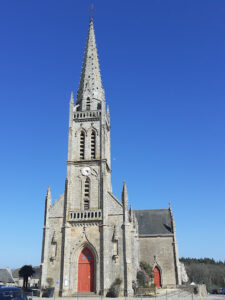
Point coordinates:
pixel 88 104
pixel 93 145
pixel 86 204
pixel 87 194
pixel 82 144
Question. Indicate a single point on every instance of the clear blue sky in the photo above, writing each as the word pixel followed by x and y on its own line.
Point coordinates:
pixel 163 70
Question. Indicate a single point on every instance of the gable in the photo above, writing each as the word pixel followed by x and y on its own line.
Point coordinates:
pixel 114 206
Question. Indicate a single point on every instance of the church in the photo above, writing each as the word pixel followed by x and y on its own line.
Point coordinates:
pixel 90 238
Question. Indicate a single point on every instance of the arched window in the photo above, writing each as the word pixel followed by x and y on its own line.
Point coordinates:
pixel 88 104
pixel 87 194
pixel 93 144
pixel 82 144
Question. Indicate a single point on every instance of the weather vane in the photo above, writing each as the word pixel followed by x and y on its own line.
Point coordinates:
pixel 92 10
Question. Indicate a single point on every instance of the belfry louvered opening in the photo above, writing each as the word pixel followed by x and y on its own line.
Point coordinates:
pixel 87 194
pixel 93 144
pixel 88 104
pixel 82 144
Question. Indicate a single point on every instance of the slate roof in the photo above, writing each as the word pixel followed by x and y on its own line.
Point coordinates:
pixel 154 222
pixel 6 276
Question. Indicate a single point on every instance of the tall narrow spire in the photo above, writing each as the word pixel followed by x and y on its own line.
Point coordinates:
pixel 90 82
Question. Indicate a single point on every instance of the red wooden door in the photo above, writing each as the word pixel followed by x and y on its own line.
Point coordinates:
pixel 86 271
pixel 157 278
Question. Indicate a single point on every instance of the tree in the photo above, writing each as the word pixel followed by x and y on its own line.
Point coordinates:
pixel 205 270
pixel 26 271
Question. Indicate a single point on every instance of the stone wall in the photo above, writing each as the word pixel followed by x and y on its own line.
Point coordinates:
pixel 158 250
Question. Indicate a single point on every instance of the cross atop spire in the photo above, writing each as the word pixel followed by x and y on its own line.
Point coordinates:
pixel 92 10
pixel 90 82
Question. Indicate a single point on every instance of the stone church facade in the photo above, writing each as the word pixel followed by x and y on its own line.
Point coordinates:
pixel 90 238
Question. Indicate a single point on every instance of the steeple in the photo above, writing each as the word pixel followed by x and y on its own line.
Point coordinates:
pixel 90 93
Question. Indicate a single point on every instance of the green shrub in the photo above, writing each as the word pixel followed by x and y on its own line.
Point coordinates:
pixel 141 279
pixel 114 289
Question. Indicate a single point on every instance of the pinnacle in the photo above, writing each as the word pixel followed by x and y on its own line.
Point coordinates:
pixel 124 186
pixel 48 190
pixel 48 196
pixel 71 98
pixel 124 193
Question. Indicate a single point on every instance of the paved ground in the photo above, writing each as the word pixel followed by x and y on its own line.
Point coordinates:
pixel 214 297
pixel 160 297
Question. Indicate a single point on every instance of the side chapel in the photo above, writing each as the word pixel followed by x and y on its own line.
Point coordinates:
pixel 90 238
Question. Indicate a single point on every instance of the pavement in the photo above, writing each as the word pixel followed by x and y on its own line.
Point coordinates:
pixel 158 297
pixel 213 297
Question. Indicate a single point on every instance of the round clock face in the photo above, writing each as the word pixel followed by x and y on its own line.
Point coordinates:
pixel 86 171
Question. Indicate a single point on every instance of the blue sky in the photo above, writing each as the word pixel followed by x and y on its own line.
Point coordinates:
pixel 163 70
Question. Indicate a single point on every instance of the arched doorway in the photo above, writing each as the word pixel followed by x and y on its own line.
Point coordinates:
pixel 157 277
pixel 86 271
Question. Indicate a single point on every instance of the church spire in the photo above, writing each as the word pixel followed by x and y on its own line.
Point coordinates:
pixel 90 88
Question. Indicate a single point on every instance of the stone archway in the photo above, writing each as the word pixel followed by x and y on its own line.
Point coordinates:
pixel 157 276
pixel 86 271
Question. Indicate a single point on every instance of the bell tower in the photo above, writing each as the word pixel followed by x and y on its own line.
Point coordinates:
pixel 88 167
pixel 89 136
